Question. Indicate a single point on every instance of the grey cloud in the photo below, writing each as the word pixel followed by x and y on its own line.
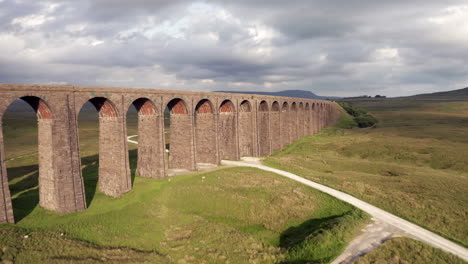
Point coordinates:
pixel 324 46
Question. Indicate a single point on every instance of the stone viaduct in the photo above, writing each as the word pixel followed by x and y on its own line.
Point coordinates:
pixel 205 127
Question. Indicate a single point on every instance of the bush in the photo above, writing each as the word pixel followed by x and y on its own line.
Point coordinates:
pixel 361 117
pixel 346 121
pixel 365 120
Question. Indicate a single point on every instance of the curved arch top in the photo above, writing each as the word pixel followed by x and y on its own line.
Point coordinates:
pixel 204 106
pixel 263 106
pixel 144 106
pixel 177 106
pixel 245 106
pixel 293 106
pixel 39 105
pixel 104 106
pixel 275 107
pixel 226 107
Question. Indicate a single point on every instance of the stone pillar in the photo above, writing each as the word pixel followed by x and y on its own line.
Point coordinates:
pixel 151 149
pixel 263 125
pixel 316 118
pixel 321 118
pixel 205 138
pixel 306 122
pixel 114 174
pixel 181 154
pixel 285 130
pixel 246 132
pixel 6 208
pixel 292 125
pixel 275 129
pixel 227 138
pixel 254 132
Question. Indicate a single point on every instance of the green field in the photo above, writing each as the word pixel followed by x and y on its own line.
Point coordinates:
pixel 402 250
pixel 229 215
pixel 413 164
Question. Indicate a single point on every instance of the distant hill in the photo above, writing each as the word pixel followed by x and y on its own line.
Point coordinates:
pixel 460 93
pixel 288 93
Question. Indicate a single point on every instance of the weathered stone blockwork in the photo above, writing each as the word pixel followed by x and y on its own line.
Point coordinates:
pixel 205 127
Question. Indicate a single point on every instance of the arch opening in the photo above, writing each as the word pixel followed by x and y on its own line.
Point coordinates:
pixel 103 149
pixel 27 160
pixel 205 133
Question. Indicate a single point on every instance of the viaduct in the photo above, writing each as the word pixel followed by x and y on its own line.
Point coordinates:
pixel 205 127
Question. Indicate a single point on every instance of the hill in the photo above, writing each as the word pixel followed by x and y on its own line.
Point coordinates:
pixel 288 93
pixel 458 95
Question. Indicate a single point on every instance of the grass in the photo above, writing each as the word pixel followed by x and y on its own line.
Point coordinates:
pixel 413 164
pixel 230 215
pixel 405 250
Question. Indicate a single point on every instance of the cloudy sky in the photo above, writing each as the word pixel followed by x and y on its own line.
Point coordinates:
pixel 341 48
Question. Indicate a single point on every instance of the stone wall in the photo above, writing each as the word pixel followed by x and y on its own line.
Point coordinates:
pixel 205 127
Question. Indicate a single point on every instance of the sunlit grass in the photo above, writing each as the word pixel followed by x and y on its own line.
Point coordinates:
pixel 414 164
pixel 405 250
pixel 238 215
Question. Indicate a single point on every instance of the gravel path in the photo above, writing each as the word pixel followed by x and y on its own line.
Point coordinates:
pixel 406 228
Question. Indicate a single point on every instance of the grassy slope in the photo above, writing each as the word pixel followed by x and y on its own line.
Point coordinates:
pixel 414 164
pixel 237 215
pixel 402 251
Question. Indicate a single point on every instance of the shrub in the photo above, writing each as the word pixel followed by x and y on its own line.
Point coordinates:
pixel 346 121
pixel 361 117
pixel 365 120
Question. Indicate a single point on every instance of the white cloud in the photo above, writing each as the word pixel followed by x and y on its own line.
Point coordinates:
pixel 31 21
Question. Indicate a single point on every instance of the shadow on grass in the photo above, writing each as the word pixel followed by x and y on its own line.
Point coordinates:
pixel 17 172
pixel 25 192
pixel 133 159
pixel 298 234
pixel 295 237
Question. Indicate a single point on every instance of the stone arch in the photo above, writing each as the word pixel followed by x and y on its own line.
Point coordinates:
pixel 245 129
pixel 227 130
pixel 104 107
pixel 293 122
pixel 275 126
pixel 43 176
pixel 205 133
pixel 263 129
pixel 181 155
pixel 114 177
pixel 285 125
pixel 150 144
